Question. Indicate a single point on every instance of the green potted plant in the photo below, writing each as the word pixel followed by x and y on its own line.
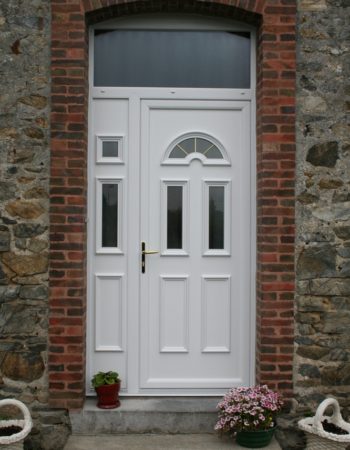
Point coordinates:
pixel 250 414
pixel 107 386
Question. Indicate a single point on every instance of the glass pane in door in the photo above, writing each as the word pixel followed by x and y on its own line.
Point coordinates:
pixel 174 217
pixel 110 215
pixel 216 217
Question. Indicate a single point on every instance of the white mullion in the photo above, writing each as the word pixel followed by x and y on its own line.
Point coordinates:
pixel 133 246
pixel 170 94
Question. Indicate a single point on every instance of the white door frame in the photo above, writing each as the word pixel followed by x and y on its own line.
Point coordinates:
pixel 135 95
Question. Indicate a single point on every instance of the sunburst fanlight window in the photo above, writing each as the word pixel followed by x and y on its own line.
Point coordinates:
pixel 195 145
pixel 189 147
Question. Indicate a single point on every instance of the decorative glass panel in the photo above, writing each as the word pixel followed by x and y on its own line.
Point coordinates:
pixel 188 145
pixel 110 149
pixel 178 152
pixel 109 215
pixel 203 145
pixel 213 153
pixel 207 149
pixel 174 217
pixel 216 217
pixel 196 145
pixel 172 58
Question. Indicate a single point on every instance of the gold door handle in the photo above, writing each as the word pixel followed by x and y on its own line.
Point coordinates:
pixel 145 252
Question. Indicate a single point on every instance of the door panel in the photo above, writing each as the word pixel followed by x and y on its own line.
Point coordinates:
pixel 110 305
pixel 107 229
pixel 216 323
pixel 195 305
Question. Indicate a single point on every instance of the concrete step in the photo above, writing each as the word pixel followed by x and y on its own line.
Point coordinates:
pixel 174 415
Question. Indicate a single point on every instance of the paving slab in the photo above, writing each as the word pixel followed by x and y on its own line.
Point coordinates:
pixel 156 441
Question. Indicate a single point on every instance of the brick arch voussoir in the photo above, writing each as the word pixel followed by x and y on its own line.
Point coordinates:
pixel 249 11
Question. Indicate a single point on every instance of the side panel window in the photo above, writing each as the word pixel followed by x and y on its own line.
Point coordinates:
pixel 109 215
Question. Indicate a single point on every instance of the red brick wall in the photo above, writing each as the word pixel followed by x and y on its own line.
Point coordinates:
pixel 275 20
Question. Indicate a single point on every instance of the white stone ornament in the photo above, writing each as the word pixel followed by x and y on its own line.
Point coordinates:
pixel 317 437
pixel 15 441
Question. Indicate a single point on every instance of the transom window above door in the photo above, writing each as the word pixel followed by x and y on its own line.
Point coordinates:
pixel 172 58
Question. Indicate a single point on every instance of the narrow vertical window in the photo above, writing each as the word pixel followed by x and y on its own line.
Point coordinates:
pixel 216 217
pixel 110 215
pixel 174 217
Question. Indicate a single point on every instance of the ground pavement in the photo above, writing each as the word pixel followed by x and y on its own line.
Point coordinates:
pixel 155 442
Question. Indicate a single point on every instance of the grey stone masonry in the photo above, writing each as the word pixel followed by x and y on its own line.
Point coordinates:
pixel 322 309
pixel 24 207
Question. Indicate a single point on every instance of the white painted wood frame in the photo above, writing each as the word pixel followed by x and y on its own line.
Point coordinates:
pixel 119 342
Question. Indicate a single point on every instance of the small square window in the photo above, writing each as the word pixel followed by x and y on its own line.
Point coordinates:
pixel 109 149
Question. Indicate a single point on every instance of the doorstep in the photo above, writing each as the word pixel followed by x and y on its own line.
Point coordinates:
pixel 156 441
pixel 173 415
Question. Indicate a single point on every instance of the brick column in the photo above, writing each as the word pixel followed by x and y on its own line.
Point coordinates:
pixel 275 195
pixel 68 194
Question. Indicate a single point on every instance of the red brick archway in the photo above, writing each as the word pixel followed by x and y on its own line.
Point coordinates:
pixel 275 20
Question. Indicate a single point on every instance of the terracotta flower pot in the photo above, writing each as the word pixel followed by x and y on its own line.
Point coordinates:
pixel 108 396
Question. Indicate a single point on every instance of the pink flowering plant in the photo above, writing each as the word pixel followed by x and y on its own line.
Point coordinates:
pixel 248 409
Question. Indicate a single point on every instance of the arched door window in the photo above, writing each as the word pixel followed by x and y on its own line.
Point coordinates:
pixel 196 146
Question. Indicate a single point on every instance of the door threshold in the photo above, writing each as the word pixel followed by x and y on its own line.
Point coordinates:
pixel 158 403
pixel 183 415
pixel 140 395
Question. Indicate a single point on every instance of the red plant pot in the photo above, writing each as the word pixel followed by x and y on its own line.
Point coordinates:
pixel 108 396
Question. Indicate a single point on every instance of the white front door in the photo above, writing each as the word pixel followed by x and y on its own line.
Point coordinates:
pixel 173 174
pixel 194 302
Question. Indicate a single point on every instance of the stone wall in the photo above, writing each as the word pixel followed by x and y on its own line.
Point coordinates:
pixel 322 358
pixel 24 207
